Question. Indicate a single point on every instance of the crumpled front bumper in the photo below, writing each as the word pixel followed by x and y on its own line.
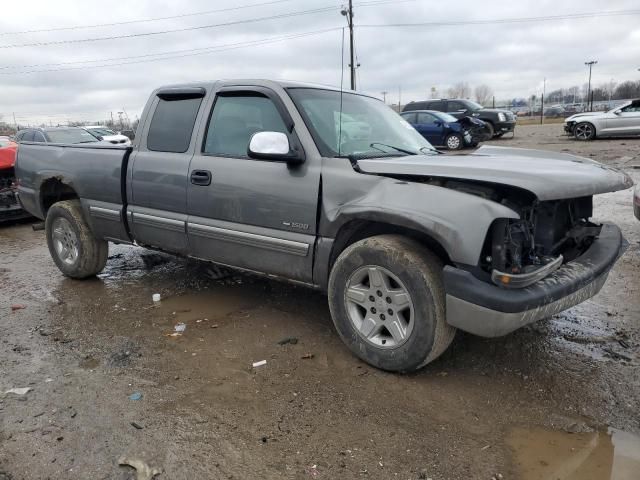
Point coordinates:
pixel 487 310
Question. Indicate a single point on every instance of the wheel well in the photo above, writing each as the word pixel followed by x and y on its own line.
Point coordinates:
pixel 357 230
pixel 54 190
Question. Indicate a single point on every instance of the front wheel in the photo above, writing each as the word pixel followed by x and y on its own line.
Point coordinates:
pixel 387 301
pixel 454 141
pixel 74 249
pixel 584 131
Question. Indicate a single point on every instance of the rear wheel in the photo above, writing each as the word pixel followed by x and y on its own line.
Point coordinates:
pixel 454 141
pixel 74 249
pixel 584 131
pixel 387 302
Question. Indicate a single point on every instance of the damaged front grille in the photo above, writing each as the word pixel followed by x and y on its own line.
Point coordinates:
pixel 548 234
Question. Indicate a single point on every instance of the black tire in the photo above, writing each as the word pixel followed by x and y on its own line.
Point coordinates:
pixel 454 141
pixel 490 130
pixel 91 253
pixel 420 272
pixel 584 131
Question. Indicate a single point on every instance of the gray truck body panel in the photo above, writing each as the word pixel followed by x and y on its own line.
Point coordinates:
pixel 280 219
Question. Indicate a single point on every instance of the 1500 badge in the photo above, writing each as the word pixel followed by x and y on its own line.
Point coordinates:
pixel 298 225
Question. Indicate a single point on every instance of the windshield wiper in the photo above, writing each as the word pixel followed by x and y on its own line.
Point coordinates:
pixel 398 149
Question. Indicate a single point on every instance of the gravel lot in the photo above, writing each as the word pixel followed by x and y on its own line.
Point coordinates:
pixel 558 399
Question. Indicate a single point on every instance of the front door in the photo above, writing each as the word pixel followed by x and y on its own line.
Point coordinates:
pixel 626 122
pixel 248 213
pixel 430 127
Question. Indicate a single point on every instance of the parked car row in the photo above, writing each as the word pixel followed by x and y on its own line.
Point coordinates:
pixel 498 121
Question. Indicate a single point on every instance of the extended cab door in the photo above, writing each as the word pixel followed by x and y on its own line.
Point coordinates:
pixel 248 213
pixel 158 171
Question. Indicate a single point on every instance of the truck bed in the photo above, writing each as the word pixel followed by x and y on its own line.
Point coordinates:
pixel 94 172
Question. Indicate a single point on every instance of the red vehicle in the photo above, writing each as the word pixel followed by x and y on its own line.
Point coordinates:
pixel 9 207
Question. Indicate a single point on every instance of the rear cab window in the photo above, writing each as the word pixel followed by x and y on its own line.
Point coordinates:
pixel 172 124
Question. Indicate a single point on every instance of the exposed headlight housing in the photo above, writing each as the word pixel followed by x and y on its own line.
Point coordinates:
pixel 502 117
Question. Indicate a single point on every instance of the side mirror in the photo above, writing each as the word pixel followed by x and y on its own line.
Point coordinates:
pixel 437 123
pixel 462 110
pixel 272 146
pixel 100 138
pixel 617 112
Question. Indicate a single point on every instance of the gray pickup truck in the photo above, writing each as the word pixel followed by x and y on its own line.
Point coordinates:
pixel 409 244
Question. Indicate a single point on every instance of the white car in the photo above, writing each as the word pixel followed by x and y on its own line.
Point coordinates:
pixel 106 135
pixel 619 121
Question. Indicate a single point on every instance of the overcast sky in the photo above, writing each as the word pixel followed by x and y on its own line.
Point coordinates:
pixel 511 58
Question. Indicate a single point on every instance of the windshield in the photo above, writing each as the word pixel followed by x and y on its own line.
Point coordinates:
pixel 445 117
pixel 368 126
pixel 103 132
pixel 474 106
pixel 70 135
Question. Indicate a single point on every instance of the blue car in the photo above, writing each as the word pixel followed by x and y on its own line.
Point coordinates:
pixel 444 130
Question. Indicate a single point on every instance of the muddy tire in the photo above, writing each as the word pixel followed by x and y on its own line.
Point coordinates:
pixel 584 131
pixel 387 301
pixel 74 249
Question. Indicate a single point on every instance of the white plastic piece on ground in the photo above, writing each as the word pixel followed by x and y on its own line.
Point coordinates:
pixel 143 471
pixel 19 391
pixel 156 297
pixel 180 327
pixel 260 363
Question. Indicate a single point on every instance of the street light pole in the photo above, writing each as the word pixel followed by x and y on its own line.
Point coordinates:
pixel 384 96
pixel 591 64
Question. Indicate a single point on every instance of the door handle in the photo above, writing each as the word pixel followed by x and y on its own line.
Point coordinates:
pixel 201 177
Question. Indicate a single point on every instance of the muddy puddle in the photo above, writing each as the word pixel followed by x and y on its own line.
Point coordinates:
pixel 557 455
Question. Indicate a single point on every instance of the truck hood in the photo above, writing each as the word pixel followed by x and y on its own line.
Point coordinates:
pixel 548 175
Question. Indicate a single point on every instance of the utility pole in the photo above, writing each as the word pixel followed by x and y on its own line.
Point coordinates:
pixel 348 12
pixel 591 64
pixel 14 121
pixel 399 98
pixel 384 96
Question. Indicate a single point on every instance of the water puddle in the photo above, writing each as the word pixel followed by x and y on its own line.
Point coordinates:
pixel 556 455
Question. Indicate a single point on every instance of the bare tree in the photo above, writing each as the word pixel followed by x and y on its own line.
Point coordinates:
pixel 459 90
pixel 483 94
pixel 574 93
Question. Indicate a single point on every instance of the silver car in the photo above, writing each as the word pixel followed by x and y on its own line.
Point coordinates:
pixel 621 120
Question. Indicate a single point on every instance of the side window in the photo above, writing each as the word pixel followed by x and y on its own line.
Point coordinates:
pixel 172 125
pixel 19 136
pixel 27 136
pixel 438 106
pixel 455 106
pixel 425 119
pixel 39 137
pixel 235 118
pixel 409 117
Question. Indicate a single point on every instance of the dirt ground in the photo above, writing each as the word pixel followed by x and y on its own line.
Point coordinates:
pixel 556 400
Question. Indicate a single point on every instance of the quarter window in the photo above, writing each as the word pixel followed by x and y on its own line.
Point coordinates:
pixel 235 118
pixel 172 125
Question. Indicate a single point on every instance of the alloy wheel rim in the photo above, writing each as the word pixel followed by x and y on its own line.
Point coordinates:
pixel 453 142
pixel 379 307
pixel 65 241
pixel 583 131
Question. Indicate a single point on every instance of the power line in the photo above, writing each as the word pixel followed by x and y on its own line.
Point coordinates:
pixel 144 20
pixel 185 29
pixel 162 32
pixel 508 20
pixel 168 56
pixel 171 52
